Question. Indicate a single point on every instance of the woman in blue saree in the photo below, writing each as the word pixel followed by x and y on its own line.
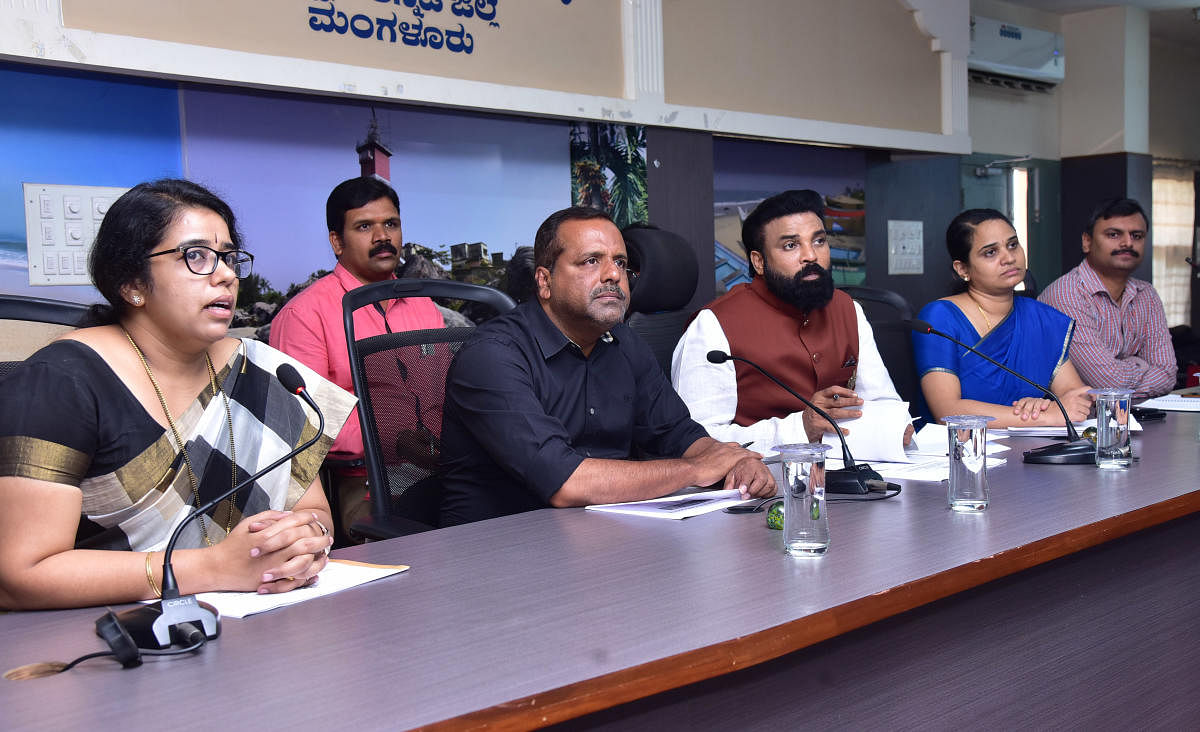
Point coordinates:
pixel 1022 333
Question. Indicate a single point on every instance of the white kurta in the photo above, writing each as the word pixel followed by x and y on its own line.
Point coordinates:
pixel 710 389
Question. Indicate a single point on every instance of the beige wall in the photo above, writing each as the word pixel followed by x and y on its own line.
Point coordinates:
pixel 860 62
pixel 545 45
pixel 1008 122
pixel 1174 100
pixel 1017 15
pixel 1105 103
pixel 19 338
pixel 885 74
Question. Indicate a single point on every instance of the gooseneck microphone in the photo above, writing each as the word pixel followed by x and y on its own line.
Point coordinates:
pixel 853 478
pixel 1076 451
pixel 179 619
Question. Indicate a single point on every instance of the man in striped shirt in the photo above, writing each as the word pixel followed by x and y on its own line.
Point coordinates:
pixel 1121 337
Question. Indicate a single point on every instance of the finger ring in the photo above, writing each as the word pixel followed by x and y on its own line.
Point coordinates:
pixel 835 397
pixel 290 579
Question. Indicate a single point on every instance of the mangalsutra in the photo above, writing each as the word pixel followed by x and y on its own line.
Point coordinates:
pixel 212 380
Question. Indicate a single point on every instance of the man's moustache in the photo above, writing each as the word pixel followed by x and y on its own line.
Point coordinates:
pixel 811 268
pixel 1126 251
pixel 384 247
pixel 608 288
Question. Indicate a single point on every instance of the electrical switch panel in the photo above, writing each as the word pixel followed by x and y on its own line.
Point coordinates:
pixel 60 225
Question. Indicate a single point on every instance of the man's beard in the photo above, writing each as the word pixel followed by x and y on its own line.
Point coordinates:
pixel 804 295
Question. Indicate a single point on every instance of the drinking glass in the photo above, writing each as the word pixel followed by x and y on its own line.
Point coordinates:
pixel 805 521
pixel 1114 451
pixel 968 490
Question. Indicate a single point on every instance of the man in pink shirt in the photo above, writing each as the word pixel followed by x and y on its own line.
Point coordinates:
pixel 363 216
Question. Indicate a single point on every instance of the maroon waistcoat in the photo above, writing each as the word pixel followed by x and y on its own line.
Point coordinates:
pixel 806 351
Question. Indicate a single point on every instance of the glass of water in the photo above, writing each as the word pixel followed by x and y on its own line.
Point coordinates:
pixel 968 490
pixel 1113 448
pixel 805 521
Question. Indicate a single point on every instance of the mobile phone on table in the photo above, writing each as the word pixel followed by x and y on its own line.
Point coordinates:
pixel 1147 414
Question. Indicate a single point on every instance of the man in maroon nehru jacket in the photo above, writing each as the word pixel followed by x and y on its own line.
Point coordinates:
pixel 791 321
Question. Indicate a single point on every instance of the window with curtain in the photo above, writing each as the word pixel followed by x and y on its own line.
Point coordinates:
pixel 1171 235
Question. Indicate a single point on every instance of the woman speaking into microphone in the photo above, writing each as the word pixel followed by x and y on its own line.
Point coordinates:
pixel 114 433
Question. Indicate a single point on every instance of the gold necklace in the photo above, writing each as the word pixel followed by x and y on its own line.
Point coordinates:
pixel 978 307
pixel 212 380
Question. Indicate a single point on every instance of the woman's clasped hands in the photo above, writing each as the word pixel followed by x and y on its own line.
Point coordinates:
pixel 1077 401
pixel 277 551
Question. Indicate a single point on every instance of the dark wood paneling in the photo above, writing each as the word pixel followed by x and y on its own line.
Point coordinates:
pixel 679 178
pixel 1089 179
pixel 918 188
pixel 1195 319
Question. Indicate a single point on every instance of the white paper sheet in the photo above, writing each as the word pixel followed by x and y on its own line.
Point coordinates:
pixel 338 575
pixel 1174 403
pixel 932 441
pixel 877 435
pixel 1046 431
pixel 920 467
pixel 678 506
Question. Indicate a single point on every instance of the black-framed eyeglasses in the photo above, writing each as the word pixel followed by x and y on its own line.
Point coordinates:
pixel 203 260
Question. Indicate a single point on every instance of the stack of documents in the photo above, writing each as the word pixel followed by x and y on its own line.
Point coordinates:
pixel 677 506
pixel 924 459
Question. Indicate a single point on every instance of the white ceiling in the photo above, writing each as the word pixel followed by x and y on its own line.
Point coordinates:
pixel 1171 20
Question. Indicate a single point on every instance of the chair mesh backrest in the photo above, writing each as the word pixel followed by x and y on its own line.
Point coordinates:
pixel 405 377
pixel 400 379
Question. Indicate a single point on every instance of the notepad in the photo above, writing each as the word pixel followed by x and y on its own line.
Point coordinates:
pixel 338 575
pixel 1174 403
pixel 678 506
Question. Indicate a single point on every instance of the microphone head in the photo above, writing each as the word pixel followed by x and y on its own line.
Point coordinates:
pixel 290 378
pixel 717 357
pixel 919 326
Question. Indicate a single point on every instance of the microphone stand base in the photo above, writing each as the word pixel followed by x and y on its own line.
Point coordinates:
pixel 851 481
pixel 1079 452
pixel 152 626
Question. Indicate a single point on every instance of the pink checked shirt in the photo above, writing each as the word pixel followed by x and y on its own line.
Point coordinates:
pixel 1123 345
pixel 309 328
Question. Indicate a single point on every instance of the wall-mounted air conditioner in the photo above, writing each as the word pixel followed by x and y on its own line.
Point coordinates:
pixel 1003 54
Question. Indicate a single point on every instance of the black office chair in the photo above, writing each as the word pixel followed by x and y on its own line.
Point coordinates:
pixel 887 312
pixel 400 380
pixel 38 310
pixel 1031 285
pixel 666 281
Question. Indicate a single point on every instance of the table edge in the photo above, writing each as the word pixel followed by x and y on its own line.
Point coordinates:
pixel 672 672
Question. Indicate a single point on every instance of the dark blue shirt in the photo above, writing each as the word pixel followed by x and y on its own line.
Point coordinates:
pixel 524 408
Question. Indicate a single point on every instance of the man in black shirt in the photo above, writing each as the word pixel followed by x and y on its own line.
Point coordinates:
pixel 546 405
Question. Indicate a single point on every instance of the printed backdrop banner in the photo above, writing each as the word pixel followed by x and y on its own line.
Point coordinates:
pixel 558 45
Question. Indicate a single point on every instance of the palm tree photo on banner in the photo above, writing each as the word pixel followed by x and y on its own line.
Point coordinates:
pixel 608 169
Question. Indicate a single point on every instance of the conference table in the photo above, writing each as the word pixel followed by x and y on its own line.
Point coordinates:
pixel 1071 601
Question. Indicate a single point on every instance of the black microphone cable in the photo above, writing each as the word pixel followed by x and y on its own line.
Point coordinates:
pixel 122 648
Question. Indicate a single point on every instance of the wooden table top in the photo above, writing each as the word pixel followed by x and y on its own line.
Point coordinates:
pixel 548 615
